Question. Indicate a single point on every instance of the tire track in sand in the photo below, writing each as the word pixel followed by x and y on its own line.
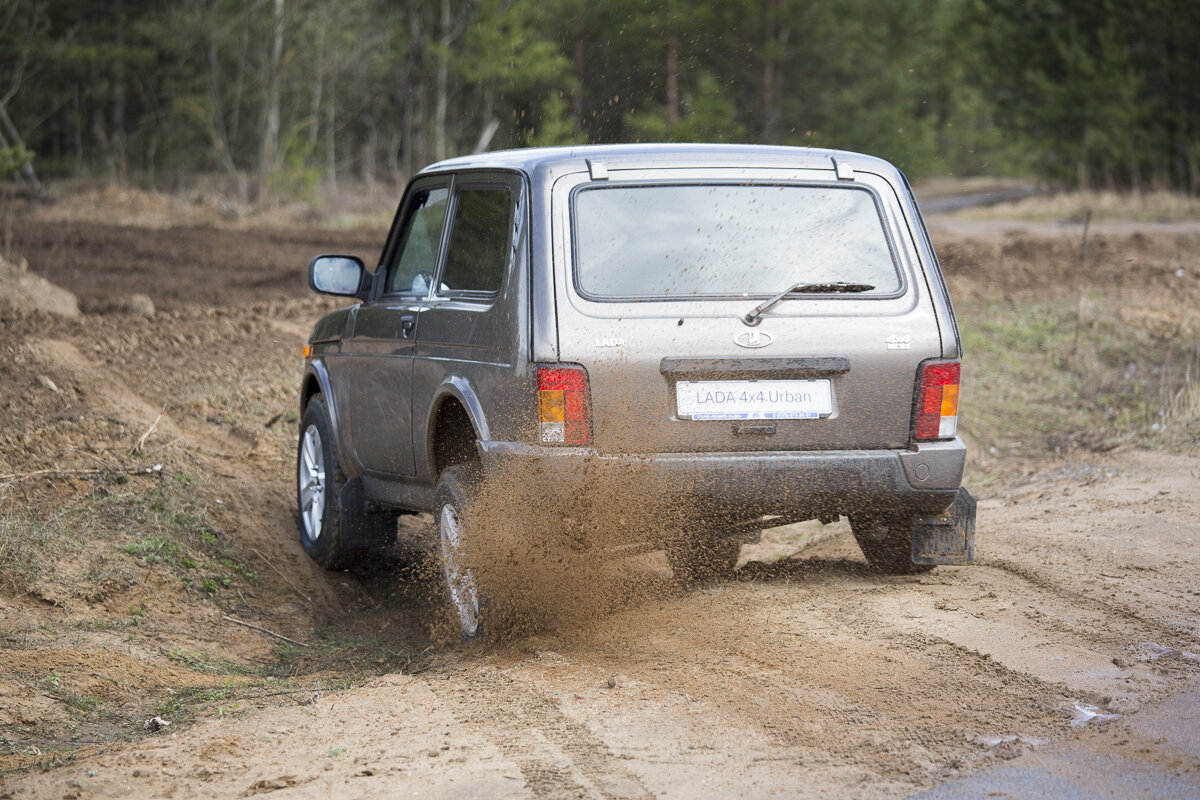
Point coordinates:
pixel 529 727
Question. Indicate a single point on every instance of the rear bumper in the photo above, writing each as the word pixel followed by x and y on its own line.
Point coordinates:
pixel 920 481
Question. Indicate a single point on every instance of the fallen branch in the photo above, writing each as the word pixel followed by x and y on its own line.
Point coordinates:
pixel 94 457
pixel 17 477
pixel 414 658
pixel 137 448
pixel 264 630
pixel 295 588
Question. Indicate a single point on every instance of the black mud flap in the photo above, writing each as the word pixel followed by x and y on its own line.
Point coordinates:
pixel 368 528
pixel 948 538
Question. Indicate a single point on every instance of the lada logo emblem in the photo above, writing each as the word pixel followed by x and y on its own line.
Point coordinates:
pixel 753 339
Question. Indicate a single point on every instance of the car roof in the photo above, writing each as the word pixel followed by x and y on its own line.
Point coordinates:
pixel 650 156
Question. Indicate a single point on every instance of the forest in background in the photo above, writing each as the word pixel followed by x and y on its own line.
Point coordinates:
pixel 281 96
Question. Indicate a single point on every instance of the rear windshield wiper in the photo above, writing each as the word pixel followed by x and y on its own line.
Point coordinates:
pixel 835 287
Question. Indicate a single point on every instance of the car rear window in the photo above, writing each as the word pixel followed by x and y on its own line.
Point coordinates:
pixel 694 240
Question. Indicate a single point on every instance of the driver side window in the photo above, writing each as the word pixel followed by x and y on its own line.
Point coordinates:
pixel 415 260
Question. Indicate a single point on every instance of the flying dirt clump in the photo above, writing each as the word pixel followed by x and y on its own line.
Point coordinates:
pixel 22 290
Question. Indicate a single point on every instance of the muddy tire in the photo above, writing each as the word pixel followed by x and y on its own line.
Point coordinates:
pixel 887 544
pixel 453 514
pixel 704 561
pixel 319 482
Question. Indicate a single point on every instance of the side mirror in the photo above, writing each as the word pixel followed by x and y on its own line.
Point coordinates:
pixel 338 275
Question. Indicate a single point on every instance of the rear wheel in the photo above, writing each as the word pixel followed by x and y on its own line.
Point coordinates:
pixel 704 561
pixel 887 544
pixel 325 516
pixel 457 489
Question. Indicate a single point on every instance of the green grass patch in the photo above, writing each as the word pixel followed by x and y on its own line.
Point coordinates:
pixel 350 656
pixel 1153 206
pixel 161 518
pixel 30 544
pixel 83 703
pixel 1052 378
pixel 199 662
pixel 189 701
pixel 171 527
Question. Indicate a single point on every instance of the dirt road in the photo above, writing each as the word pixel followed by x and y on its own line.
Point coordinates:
pixel 808 676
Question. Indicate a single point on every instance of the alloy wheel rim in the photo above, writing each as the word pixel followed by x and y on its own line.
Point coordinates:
pixel 460 580
pixel 311 480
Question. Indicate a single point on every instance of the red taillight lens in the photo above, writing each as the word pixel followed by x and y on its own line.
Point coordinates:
pixel 563 413
pixel 937 400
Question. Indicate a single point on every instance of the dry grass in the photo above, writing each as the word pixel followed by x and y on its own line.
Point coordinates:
pixel 948 186
pixel 1040 378
pixel 1154 206
pixel 1180 411
pixel 212 202
pixel 29 546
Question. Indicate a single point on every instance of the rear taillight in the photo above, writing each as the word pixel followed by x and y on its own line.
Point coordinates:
pixel 564 416
pixel 937 400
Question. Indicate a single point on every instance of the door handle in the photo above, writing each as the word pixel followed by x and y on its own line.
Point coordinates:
pixel 407 323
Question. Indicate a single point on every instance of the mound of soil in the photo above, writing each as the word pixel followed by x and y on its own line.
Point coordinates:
pixel 115 205
pixel 183 266
pixel 21 290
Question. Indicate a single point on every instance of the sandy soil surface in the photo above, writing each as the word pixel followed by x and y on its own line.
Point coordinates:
pixel 807 676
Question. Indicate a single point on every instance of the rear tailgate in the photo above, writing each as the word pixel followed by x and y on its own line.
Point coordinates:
pixel 818 372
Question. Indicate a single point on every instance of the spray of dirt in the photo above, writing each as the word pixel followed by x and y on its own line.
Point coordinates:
pixel 550 546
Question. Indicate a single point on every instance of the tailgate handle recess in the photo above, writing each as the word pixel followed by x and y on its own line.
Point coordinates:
pixel 755 368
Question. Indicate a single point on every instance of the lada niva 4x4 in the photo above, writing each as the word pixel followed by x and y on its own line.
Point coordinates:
pixel 750 336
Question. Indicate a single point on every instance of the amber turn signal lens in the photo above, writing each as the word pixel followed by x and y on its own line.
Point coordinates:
pixel 937 400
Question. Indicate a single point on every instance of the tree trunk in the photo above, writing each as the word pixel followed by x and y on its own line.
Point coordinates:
pixel 26 174
pixel 577 64
pixel 218 132
pixel 314 132
pixel 117 111
pixel 770 78
pixel 443 87
pixel 78 131
pixel 672 78
pixel 407 82
pixel 370 148
pixel 330 132
pixel 235 117
pixel 269 152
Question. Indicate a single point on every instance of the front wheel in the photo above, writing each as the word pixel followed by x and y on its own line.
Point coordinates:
pixel 887 544
pixel 337 528
pixel 454 513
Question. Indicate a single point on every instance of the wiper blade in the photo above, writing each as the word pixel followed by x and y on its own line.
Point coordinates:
pixel 828 288
pixel 833 287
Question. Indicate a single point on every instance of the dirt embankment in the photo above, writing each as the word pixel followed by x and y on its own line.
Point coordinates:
pixel 145 483
pixel 183 267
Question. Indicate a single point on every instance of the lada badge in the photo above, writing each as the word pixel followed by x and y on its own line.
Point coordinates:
pixel 753 339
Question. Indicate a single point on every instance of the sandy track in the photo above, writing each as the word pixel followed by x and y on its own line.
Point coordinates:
pixel 808 676
pixel 805 677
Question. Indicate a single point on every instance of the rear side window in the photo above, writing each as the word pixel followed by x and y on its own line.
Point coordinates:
pixel 477 253
pixel 722 240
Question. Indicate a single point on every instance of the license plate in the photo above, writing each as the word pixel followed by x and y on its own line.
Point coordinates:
pixel 753 399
